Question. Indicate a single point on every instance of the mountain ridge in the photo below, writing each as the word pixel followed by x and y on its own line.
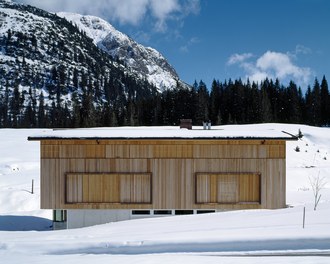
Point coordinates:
pixel 144 61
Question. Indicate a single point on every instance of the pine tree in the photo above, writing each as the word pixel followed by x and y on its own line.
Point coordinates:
pixel 157 110
pixel 253 107
pixel 87 110
pixel 5 106
pixel 215 113
pixel 29 113
pixel 325 103
pixel 265 107
pixel 316 105
pixel 15 107
pixel 76 119
pixel 239 102
pixel 293 107
pixel 131 113
pixel 308 109
pixel 202 114
pixel 9 35
pixel 41 111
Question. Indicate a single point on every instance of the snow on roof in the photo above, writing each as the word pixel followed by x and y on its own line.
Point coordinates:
pixel 168 132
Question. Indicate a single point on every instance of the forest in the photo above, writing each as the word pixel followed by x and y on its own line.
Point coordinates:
pixel 228 102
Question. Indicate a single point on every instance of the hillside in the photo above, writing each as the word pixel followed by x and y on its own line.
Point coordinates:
pixel 146 62
pixel 260 234
pixel 52 73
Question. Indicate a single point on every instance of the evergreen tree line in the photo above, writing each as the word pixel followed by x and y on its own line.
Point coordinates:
pixel 229 102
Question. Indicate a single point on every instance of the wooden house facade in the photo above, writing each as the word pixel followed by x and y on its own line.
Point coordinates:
pixel 129 173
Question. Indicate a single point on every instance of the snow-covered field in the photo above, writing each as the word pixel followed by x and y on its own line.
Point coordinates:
pixel 250 236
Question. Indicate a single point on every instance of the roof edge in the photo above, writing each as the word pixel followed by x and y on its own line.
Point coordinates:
pixel 292 138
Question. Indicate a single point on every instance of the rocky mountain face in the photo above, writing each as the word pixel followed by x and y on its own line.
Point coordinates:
pixel 56 74
pixel 146 62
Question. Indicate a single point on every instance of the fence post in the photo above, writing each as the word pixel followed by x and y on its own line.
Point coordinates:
pixel 32 187
pixel 304 214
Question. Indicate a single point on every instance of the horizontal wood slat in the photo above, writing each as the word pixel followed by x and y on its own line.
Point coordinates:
pixel 163 151
pixel 162 142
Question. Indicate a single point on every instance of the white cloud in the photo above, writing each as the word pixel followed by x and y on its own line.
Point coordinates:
pixel 192 41
pixel 142 37
pixel 238 58
pixel 281 66
pixel 298 51
pixel 124 11
pixel 259 76
pixel 271 65
pixel 301 49
pixel 128 11
pixel 191 7
pixel 161 10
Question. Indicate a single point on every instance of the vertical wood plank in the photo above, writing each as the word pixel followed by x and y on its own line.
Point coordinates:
pixel 227 191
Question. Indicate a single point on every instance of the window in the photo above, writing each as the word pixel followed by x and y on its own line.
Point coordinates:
pixel 162 212
pixel 184 212
pixel 140 212
pixel 205 211
pixel 59 215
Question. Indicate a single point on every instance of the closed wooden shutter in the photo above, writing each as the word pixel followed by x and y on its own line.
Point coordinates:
pixel 135 188
pixel 227 188
pixel 249 188
pixel 108 188
pixel 227 191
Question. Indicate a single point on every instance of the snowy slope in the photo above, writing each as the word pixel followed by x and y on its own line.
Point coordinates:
pixel 145 61
pixel 19 21
pixel 19 165
pixel 42 54
pixel 96 28
pixel 211 238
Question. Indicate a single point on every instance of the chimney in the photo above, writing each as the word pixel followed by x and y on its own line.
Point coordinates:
pixel 186 123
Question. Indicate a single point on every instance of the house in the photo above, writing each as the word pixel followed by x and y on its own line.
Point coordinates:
pixel 99 175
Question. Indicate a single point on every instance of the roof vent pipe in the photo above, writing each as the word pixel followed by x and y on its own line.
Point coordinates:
pixel 207 125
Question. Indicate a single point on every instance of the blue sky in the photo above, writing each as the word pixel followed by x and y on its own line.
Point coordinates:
pixel 222 39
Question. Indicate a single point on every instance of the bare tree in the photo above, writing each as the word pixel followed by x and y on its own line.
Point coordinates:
pixel 317 184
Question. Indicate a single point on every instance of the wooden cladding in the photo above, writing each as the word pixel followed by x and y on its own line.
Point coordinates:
pixel 162 174
pixel 108 188
pixel 115 149
pixel 227 188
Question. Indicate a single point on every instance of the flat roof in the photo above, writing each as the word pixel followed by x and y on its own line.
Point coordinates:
pixel 237 132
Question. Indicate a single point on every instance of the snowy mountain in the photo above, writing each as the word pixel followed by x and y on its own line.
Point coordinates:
pixel 145 61
pixel 48 67
pixel 56 73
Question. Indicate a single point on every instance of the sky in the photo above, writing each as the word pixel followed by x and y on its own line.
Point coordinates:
pixel 220 39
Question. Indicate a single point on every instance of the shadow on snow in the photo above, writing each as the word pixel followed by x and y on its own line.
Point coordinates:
pixel 24 223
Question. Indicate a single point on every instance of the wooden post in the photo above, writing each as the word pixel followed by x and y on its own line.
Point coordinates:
pixel 304 214
pixel 32 186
